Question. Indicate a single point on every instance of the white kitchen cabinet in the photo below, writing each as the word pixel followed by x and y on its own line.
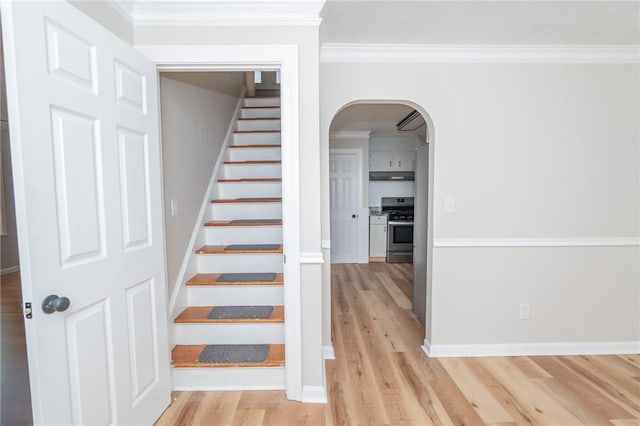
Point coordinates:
pixel 377 238
pixel 392 161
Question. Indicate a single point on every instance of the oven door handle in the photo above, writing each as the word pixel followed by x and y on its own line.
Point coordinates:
pixel 399 223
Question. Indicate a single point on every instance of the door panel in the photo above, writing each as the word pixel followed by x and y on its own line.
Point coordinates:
pixel 85 150
pixel 345 200
pixel 90 352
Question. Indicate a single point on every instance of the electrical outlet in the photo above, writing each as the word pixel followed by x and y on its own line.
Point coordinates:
pixel 525 311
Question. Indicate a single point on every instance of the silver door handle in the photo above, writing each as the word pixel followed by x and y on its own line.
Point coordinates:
pixel 53 303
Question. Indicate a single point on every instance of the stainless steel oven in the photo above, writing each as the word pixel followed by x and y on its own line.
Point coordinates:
pixel 400 228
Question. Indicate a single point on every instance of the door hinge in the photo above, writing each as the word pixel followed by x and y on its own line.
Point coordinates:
pixel 284 256
pixel 27 310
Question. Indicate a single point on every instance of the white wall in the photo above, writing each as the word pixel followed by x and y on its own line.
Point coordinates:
pixel 530 151
pixel 194 123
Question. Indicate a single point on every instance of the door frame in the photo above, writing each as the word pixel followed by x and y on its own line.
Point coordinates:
pixel 268 58
pixel 362 255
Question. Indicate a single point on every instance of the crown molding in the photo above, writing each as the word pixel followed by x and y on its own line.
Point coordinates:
pixel 425 53
pixel 220 13
pixel 124 9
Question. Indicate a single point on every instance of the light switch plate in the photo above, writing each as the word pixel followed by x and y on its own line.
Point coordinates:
pixel 174 207
pixel 449 204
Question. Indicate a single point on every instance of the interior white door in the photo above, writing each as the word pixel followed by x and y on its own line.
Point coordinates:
pixel 346 199
pixel 420 240
pixel 86 158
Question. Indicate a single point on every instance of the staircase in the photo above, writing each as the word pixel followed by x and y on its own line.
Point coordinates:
pixel 231 334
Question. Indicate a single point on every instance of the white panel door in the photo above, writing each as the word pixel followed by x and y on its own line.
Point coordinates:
pixel 86 157
pixel 345 198
pixel 420 240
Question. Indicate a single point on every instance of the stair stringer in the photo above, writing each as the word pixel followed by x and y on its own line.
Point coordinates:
pixel 189 267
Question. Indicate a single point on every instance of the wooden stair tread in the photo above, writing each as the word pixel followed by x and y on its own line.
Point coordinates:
pixel 212 280
pixel 256 131
pixel 246 200
pixel 220 249
pixel 253 162
pixel 247 180
pixel 273 145
pixel 198 314
pixel 186 356
pixel 256 222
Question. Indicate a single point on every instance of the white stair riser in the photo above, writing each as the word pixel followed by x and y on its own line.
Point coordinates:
pixel 269 138
pixel 249 189
pixel 236 171
pixel 264 101
pixel 235 295
pixel 219 235
pixel 260 112
pixel 258 124
pixel 221 263
pixel 254 154
pixel 223 211
pixel 230 378
pixel 229 334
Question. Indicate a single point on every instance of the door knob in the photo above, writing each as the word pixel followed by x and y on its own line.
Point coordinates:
pixel 53 303
pixel 353 216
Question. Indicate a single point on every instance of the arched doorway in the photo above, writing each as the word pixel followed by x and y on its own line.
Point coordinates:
pixel 385 135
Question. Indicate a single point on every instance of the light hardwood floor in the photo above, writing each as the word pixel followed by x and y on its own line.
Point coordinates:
pixel 381 376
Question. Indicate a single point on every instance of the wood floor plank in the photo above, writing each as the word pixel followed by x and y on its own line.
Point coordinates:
pixel 487 406
pixel 579 385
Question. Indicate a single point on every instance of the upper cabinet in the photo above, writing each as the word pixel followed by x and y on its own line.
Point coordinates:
pixel 393 152
pixel 392 161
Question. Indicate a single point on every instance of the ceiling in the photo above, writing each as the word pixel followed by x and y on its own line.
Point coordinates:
pixel 544 22
pixel 373 118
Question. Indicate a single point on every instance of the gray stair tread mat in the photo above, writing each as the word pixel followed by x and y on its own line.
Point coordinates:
pixel 246 277
pixel 240 312
pixel 256 221
pixel 233 354
pixel 252 247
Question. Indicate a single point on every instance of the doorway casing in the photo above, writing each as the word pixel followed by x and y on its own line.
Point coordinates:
pixel 200 58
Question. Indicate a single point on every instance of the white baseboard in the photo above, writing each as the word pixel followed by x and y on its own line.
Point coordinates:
pixel 10 270
pixel 532 349
pixel 328 352
pixel 314 394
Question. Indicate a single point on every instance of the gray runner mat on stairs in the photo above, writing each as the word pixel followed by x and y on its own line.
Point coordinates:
pixel 252 247
pixel 256 220
pixel 233 354
pixel 246 277
pixel 240 312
